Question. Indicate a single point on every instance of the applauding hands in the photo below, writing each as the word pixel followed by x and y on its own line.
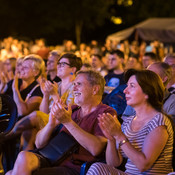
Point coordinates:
pixel 110 126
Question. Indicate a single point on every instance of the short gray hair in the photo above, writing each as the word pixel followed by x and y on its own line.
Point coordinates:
pixel 94 78
pixel 38 63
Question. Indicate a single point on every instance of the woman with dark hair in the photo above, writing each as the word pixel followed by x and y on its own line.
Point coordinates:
pixel 145 139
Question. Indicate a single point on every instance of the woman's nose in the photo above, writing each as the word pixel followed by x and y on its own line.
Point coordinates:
pixel 125 90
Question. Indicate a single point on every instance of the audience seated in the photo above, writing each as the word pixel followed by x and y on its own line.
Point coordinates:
pixel 52 67
pixel 27 95
pixel 18 69
pixel 26 91
pixel 67 66
pixel 170 59
pixel 10 66
pixel 115 77
pixel 97 64
pixel 134 48
pixel 82 124
pixel 133 62
pixel 149 58
pixel 22 79
pixel 165 72
pixel 146 138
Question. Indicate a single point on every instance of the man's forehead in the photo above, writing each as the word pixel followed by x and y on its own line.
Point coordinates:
pixel 146 58
pixel 113 55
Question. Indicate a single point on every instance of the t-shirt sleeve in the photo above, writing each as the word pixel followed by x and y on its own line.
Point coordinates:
pixel 159 120
pixel 97 129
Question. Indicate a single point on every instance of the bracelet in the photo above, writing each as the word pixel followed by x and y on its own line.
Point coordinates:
pixel 123 142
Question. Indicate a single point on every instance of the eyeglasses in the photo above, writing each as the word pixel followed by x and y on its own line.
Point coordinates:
pixel 62 64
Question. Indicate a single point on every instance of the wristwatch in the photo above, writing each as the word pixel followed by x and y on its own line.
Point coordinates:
pixel 123 142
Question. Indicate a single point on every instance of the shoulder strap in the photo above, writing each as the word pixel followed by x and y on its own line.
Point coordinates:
pixel 30 93
pixel 167 97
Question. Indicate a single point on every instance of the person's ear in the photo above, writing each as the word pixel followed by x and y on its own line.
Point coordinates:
pixel 36 72
pixel 165 79
pixel 96 89
pixel 146 97
pixel 74 70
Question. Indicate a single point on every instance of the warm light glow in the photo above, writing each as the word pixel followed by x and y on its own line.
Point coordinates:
pixel 119 2
pixel 116 20
pixel 125 2
pixel 130 2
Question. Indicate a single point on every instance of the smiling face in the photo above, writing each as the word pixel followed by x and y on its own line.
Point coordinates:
pixel 133 93
pixel 28 72
pixel 83 90
pixel 63 68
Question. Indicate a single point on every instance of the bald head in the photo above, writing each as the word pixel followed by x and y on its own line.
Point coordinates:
pixel 163 70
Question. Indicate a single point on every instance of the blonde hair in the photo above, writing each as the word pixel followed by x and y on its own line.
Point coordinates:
pixel 37 63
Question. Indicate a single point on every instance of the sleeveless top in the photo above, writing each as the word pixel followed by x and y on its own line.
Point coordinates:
pixel 163 165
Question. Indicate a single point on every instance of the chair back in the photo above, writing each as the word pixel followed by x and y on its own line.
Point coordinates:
pixel 8 114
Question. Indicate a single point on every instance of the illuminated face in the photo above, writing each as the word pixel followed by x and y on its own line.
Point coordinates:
pixel 133 93
pixel 52 63
pixel 132 63
pixel 96 63
pixel 146 60
pixel 82 90
pixel 28 72
pixel 63 68
pixel 114 61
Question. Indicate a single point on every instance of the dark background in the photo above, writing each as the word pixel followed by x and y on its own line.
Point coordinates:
pixel 56 20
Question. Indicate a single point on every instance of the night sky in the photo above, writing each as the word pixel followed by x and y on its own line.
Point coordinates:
pixel 55 21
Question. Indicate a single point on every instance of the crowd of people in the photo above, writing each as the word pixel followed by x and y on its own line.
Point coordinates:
pixel 117 100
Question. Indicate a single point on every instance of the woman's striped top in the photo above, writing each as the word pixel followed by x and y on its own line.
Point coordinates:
pixel 163 165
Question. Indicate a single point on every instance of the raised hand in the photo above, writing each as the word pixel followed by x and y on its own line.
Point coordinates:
pixel 51 88
pixel 110 125
pixel 60 113
pixel 103 127
pixel 15 83
pixel 42 86
pixel 3 81
pixel 53 121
